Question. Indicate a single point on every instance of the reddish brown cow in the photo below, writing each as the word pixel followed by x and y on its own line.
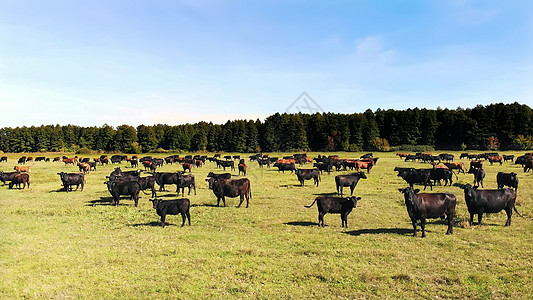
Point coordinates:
pixel 187 166
pixel 26 169
pixel 402 155
pixel 72 161
pixel 84 167
pixel 364 165
pixel 493 159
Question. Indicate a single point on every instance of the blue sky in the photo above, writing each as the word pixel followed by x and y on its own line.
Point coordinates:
pixel 147 62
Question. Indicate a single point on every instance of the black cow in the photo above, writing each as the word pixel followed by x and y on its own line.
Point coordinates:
pixel 335 205
pixel 92 165
pixel 489 201
pixel 71 179
pixel 479 175
pixel 307 174
pixel 19 179
pixel 323 167
pixel 129 188
pixel 163 178
pixel 185 181
pixel 508 157
pixel 348 180
pixel 263 161
pixel 226 164
pixel 134 163
pixel 172 207
pixel 507 179
pixel 7 176
pixel 528 165
pixel 212 177
pixel 3 158
pixel 39 158
pixel 417 176
pixel 147 183
pixel 285 167
pixel 429 205
pixel 441 174
pixel 232 188
pixel 22 160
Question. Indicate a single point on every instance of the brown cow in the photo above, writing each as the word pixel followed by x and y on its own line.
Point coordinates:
pixel 364 165
pixel 84 167
pixel 20 178
pixel 199 163
pixel 72 161
pixel 187 166
pixel 26 169
pixel 402 155
pixel 493 159
pixel 242 168
pixel 455 166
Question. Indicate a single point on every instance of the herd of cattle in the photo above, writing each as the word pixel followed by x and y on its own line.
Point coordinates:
pixel 420 206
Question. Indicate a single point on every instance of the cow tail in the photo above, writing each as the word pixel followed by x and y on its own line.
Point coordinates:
pixel 308 206
pixel 143 190
pixel 516 211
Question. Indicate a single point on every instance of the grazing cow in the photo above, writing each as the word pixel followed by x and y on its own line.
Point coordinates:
pixel 429 206
pixel 507 179
pixel 104 161
pixel 364 165
pixel 402 155
pixel 7 176
pixel 227 157
pixel 459 166
pixel 508 158
pixel 129 188
pixel 263 161
pixel 199 163
pixel 92 165
pixel 323 167
pixel 489 201
pixel 187 166
pixel 145 183
pixel 446 157
pixel 84 167
pixel 147 164
pixel 242 169
pixel 285 167
pixel 22 160
pixel 441 174
pixel 212 177
pixel 226 164
pixel 307 174
pixel 71 161
pixel 528 165
pixel 71 179
pixel 232 188
pixel 493 159
pixel 185 181
pixel 165 178
pixel 348 180
pixel 479 175
pixel 463 155
pixel 335 205
pixel 172 207
pixel 26 169
pixel 21 178
pixel 3 158
pixel 169 160
pixel 40 158
pixel 418 176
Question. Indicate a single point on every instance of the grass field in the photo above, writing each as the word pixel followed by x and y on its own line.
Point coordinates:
pixel 76 245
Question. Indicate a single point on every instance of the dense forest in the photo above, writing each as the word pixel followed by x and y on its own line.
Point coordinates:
pixel 495 126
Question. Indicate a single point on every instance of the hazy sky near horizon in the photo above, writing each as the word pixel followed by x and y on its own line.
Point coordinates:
pixel 147 62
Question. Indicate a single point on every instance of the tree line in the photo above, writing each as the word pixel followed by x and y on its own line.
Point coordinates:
pixel 495 126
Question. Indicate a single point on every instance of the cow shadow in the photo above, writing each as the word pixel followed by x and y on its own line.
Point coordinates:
pixel 293 185
pixel 328 194
pixel 102 201
pixel 153 224
pixel 398 231
pixel 301 223
pixel 206 205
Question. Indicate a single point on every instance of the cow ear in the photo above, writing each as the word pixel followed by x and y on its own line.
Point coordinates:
pixel 358 198
pixel 400 190
pixel 416 191
pixel 475 187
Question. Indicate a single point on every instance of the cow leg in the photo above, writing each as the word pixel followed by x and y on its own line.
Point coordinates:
pixel 183 217
pixel 241 200
pixel 194 186
pixel 509 212
pixel 423 226
pixel 163 216
pixel 321 219
pixel 471 222
pixel 352 187
pixel 413 221
pixel 188 216
pixel 479 218
pixel 450 215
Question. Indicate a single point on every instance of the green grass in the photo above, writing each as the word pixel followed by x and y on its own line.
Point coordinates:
pixel 75 245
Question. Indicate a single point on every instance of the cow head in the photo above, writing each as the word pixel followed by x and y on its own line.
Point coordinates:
pixel 361 175
pixel 155 202
pixel 354 199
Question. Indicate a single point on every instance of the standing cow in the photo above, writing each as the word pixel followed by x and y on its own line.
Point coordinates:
pixel 172 207
pixel 335 205
pixel 350 180
pixel 489 201
pixel 429 205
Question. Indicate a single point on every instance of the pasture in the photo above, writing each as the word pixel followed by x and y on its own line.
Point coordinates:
pixel 76 245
